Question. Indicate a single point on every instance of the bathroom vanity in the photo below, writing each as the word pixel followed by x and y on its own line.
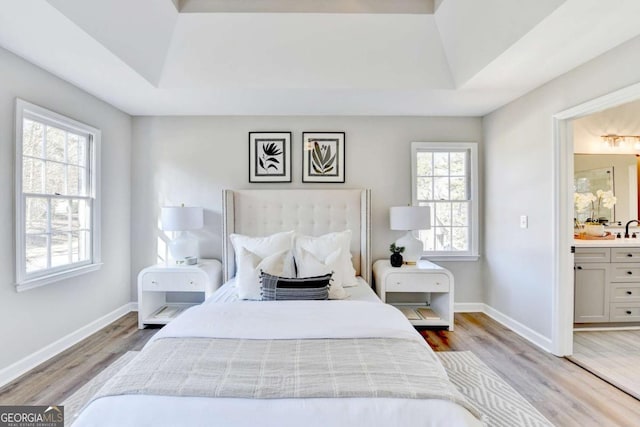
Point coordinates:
pixel 607 281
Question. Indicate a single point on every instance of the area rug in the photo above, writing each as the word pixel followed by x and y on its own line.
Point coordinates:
pixel 501 405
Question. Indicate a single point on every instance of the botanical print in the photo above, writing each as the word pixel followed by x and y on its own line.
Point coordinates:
pixel 269 156
pixel 323 157
pixel 322 160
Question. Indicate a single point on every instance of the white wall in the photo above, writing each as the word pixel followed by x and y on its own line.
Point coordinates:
pixel 32 319
pixel 192 159
pixel 518 180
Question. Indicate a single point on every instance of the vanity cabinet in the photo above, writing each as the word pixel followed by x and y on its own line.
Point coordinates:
pixel 591 292
pixel 607 284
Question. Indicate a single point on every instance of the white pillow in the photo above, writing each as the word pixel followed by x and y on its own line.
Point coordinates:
pixel 261 247
pixel 249 267
pixel 310 266
pixel 321 247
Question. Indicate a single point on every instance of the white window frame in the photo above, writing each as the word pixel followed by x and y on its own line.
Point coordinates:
pixel 26 281
pixel 474 224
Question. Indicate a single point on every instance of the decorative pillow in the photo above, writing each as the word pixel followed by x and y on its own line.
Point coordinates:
pixel 322 246
pixel 262 247
pixel 276 288
pixel 249 266
pixel 309 265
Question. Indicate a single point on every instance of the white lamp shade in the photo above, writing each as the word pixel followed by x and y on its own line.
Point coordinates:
pixel 407 218
pixel 182 218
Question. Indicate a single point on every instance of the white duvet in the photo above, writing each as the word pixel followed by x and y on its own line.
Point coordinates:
pixel 281 320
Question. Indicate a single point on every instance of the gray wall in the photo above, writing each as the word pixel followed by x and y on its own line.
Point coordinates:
pixel 518 147
pixel 191 160
pixel 32 319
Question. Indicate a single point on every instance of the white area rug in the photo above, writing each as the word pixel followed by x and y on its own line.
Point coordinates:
pixel 491 395
pixel 501 405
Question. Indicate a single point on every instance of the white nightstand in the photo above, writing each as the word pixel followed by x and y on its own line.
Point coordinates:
pixel 156 281
pixel 430 286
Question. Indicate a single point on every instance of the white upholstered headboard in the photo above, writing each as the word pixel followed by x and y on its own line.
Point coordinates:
pixel 310 212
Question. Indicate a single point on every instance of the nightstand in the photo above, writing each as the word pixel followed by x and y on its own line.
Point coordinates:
pixel 423 292
pixel 155 282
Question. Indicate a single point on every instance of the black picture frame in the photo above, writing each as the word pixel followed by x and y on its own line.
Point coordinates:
pixel 323 157
pixel 270 157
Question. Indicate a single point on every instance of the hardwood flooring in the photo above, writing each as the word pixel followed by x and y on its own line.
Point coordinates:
pixel 57 378
pixel 612 355
pixel 565 393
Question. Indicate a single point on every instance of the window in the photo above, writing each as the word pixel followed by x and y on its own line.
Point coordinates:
pixel 445 178
pixel 57 205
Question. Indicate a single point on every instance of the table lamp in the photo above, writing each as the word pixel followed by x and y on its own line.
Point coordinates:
pixel 182 219
pixel 410 219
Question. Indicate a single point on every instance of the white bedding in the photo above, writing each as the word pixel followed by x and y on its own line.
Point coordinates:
pixel 281 320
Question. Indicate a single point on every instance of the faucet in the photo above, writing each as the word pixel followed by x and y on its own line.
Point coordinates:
pixel 626 227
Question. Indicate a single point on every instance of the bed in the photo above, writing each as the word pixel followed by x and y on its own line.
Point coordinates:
pixel 343 360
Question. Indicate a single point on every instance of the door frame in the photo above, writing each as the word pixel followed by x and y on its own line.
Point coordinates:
pixel 562 298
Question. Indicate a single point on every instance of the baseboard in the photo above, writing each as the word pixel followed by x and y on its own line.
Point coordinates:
pixel 524 331
pixel 468 307
pixel 13 371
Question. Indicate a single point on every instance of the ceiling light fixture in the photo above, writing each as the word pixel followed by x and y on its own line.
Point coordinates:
pixel 615 141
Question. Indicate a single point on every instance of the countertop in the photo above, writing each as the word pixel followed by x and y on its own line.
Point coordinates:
pixel 617 243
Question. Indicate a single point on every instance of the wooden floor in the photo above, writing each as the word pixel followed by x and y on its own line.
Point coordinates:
pixel 56 379
pixel 565 393
pixel 612 355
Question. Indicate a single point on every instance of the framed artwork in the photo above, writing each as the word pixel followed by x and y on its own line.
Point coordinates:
pixel 323 156
pixel 269 156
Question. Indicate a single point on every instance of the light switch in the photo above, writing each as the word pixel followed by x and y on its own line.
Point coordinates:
pixel 524 221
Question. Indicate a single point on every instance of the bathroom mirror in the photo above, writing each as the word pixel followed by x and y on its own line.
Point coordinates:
pixel 617 172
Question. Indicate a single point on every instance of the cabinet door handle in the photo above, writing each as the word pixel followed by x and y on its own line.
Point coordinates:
pixel 630 255
pixel 628 311
pixel 579 267
pixel 629 293
pixel 629 272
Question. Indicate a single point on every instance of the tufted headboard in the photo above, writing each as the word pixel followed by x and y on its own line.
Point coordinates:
pixel 310 212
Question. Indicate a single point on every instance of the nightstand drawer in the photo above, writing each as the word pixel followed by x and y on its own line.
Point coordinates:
pixel 177 282
pixel 417 282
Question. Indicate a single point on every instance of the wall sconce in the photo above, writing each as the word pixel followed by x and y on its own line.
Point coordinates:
pixel 615 141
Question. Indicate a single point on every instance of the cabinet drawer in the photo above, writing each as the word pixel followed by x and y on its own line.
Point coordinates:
pixel 625 254
pixel 592 255
pixel 178 282
pixel 627 272
pixel 417 282
pixel 625 292
pixel 625 312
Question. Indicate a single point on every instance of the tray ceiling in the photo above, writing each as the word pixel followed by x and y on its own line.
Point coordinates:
pixel 230 57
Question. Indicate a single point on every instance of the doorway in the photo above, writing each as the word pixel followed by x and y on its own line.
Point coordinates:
pixel 563 212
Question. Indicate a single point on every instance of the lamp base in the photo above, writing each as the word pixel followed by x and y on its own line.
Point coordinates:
pixel 412 248
pixel 182 247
